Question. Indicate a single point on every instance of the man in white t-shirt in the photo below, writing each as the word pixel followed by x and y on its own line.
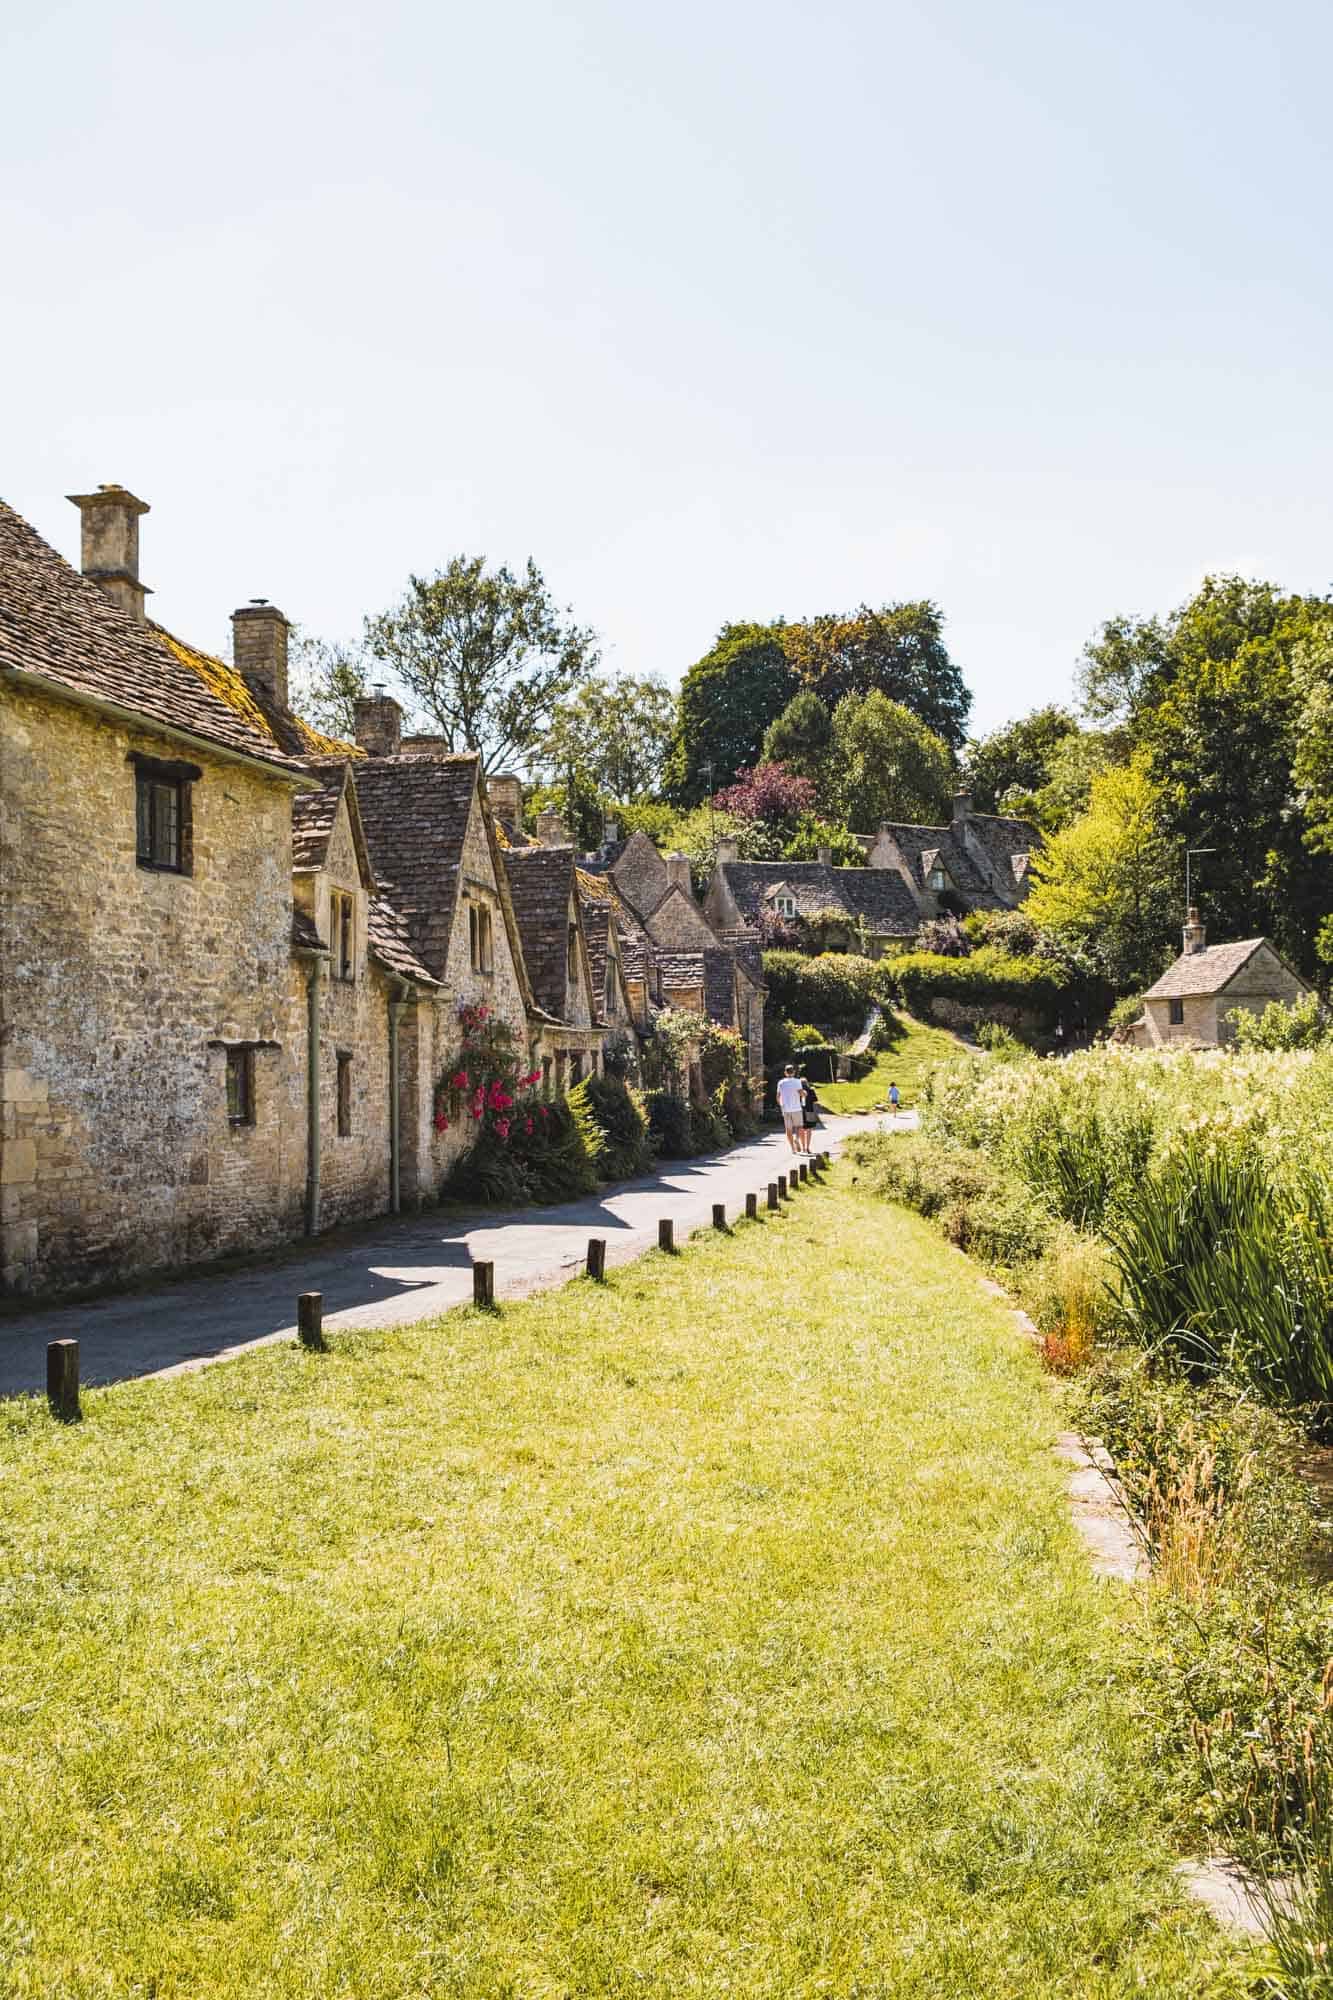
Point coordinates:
pixel 789 1104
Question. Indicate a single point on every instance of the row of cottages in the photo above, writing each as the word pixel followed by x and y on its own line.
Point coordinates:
pixel 233 951
pixel 911 873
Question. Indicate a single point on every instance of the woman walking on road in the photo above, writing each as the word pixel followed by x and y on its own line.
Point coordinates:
pixel 809 1111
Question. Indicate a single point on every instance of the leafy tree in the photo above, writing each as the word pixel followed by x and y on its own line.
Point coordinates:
pixel 800 737
pixel 897 651
pixel 616 733
pixel 1106 883
pixel 727 700
pixel 812 833
pixel 325 682
pixel 886 764
pixel 581 808
pixel 769 792
pixel 1016 758
pixel 1118 665
pixel 486 655
pixel 697 834
pixel 1073 764
pixel 1312 765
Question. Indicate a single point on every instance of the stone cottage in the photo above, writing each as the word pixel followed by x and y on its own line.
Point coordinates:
pixel 978 862
pixel 1192 999
pixel 875 905
pixel 567 1030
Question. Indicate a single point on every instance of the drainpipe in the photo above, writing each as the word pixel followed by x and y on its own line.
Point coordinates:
pixel 397 998
pixel 312 1098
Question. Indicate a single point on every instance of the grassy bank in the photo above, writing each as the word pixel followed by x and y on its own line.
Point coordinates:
pixel 716 1633
pixel 908 1063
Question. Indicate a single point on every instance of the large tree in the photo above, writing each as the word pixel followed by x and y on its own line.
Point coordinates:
pixel 485 655
pixel 800 737
pixel 325 681
pixel 1218 696
pixel 885 764
pixel 897 651
pixel 1106 883
pixel 616 732
pixel 1016 758
pixel 727 700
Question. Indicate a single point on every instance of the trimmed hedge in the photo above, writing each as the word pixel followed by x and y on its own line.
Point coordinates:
pixel 987 978
pixel 835 990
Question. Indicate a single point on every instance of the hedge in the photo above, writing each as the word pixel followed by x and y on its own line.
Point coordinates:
pixel 988 978
pixel 835 990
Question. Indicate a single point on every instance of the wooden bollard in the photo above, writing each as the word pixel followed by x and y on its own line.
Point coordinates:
pixel 805 1170
pixel 483 1284
pixel 62 1379
pixel 772 1194
pixel 597 1258
pixel 719 1215
pixel 782 1187
pixel 666 1234
pixel 310 1319
pixel 752 1208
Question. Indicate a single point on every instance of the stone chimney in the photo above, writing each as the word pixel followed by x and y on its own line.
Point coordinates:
pixel 728 849
pixel 259 646
pixel 678 869
pixel 824 855
pixel 109 551
pixel 379 724
pixel 504 795
pixel 551 829
pixel 610 833
pixel 962 807
pixel 1195 933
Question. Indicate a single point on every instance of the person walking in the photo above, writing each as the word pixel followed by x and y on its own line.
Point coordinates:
pixel 809 1111
pixel 790 1105
pixel 894 1099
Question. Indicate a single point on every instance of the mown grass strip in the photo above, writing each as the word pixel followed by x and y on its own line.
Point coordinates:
pixel 716 1630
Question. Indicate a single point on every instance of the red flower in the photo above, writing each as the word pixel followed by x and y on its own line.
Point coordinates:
pixel 527 1127
pixel 441 1122
pixel 460 1081
pixel 502 1127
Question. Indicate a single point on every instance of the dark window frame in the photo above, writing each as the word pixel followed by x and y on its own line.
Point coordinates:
pixel 572 955
pixel 343 940
pixel 344 1100
pixel 162 792
pixel 240 1085
pixel 1176 1013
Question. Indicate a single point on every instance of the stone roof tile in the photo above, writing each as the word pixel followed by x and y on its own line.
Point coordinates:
pixel 541 882
pixel 1204 972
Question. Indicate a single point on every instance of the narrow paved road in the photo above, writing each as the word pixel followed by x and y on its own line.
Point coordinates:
pixel 388 1273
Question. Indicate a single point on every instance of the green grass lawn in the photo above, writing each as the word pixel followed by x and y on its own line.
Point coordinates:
pixel 719 1633
pixel 915 1052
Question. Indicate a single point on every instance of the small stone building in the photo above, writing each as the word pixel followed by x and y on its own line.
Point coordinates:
pixel 1191 1001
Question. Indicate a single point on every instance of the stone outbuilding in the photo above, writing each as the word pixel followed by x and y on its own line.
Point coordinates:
pixel 1191 1001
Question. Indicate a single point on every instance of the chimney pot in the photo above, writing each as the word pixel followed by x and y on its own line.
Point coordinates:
pixel 109 545
pixel 678 869
pixel 824 854
pixel 962 807
pixel 1195 933
pixel 728 849
pixel 504 795
pixel 259 646
pixel 378 724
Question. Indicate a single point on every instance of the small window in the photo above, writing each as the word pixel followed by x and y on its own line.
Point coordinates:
pixel 612 994
pixel 575 1071
pixel 1177 1011
pixel 572 955
pixel 344 934
pixel 241 1086
pixel 546 1076
pixel 938 879
pixel 160 811
pixel 785 905
pixel 479 937
pixel 344 1096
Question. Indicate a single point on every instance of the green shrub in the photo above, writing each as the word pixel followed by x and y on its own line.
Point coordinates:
pixel 669 1129
pixel 988 977
pixel 613 1128
pixel 709 1130
pixel 1068 1289
pixel 979 1208
pixel 543 1158
pixel 1000 1041
pixel 835 990
pixel 1125 1013
pixel 1306 1024
pixel 804 1035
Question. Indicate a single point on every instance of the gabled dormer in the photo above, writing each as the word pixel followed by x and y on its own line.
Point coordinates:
pixel 332 879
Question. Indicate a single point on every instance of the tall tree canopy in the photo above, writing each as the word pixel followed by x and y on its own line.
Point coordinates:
pixel 1219 696
pixel 486 656
pixel 886 764
pixel 897 651
pixel 801 736
pixel 616 733
pixel 1106 883
pixel 1016 758
pixel 727 700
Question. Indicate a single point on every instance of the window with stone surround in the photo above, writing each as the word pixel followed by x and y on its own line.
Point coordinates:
pixel 240 1086
pixel 343 926
pixel 572 955
pixel 162 819
pixel 1177 1012
pixel 479 937
pixel 344 1094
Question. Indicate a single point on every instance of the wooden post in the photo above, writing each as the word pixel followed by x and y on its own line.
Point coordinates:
pixel 752 1208
pixel 62 1379
pixel 782 1187
pixel 310 1320
pixel 483 1284
pixel 805 1170
pixel 772 1194
pixel 666 1234
pixel 597 1258
pixel 719 1215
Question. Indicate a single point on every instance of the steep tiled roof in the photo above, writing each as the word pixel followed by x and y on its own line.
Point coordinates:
pixel 923 846
pixel 305 937
pixel 541 880
pixel 681 968
pixel 313 814
pixel 249 698
pixel 391 944
pixel 415 814
pixel 58 624
pixel 878 894
pixel 1204 972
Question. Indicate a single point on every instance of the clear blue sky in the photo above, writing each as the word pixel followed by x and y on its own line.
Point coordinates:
pixel 719 310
